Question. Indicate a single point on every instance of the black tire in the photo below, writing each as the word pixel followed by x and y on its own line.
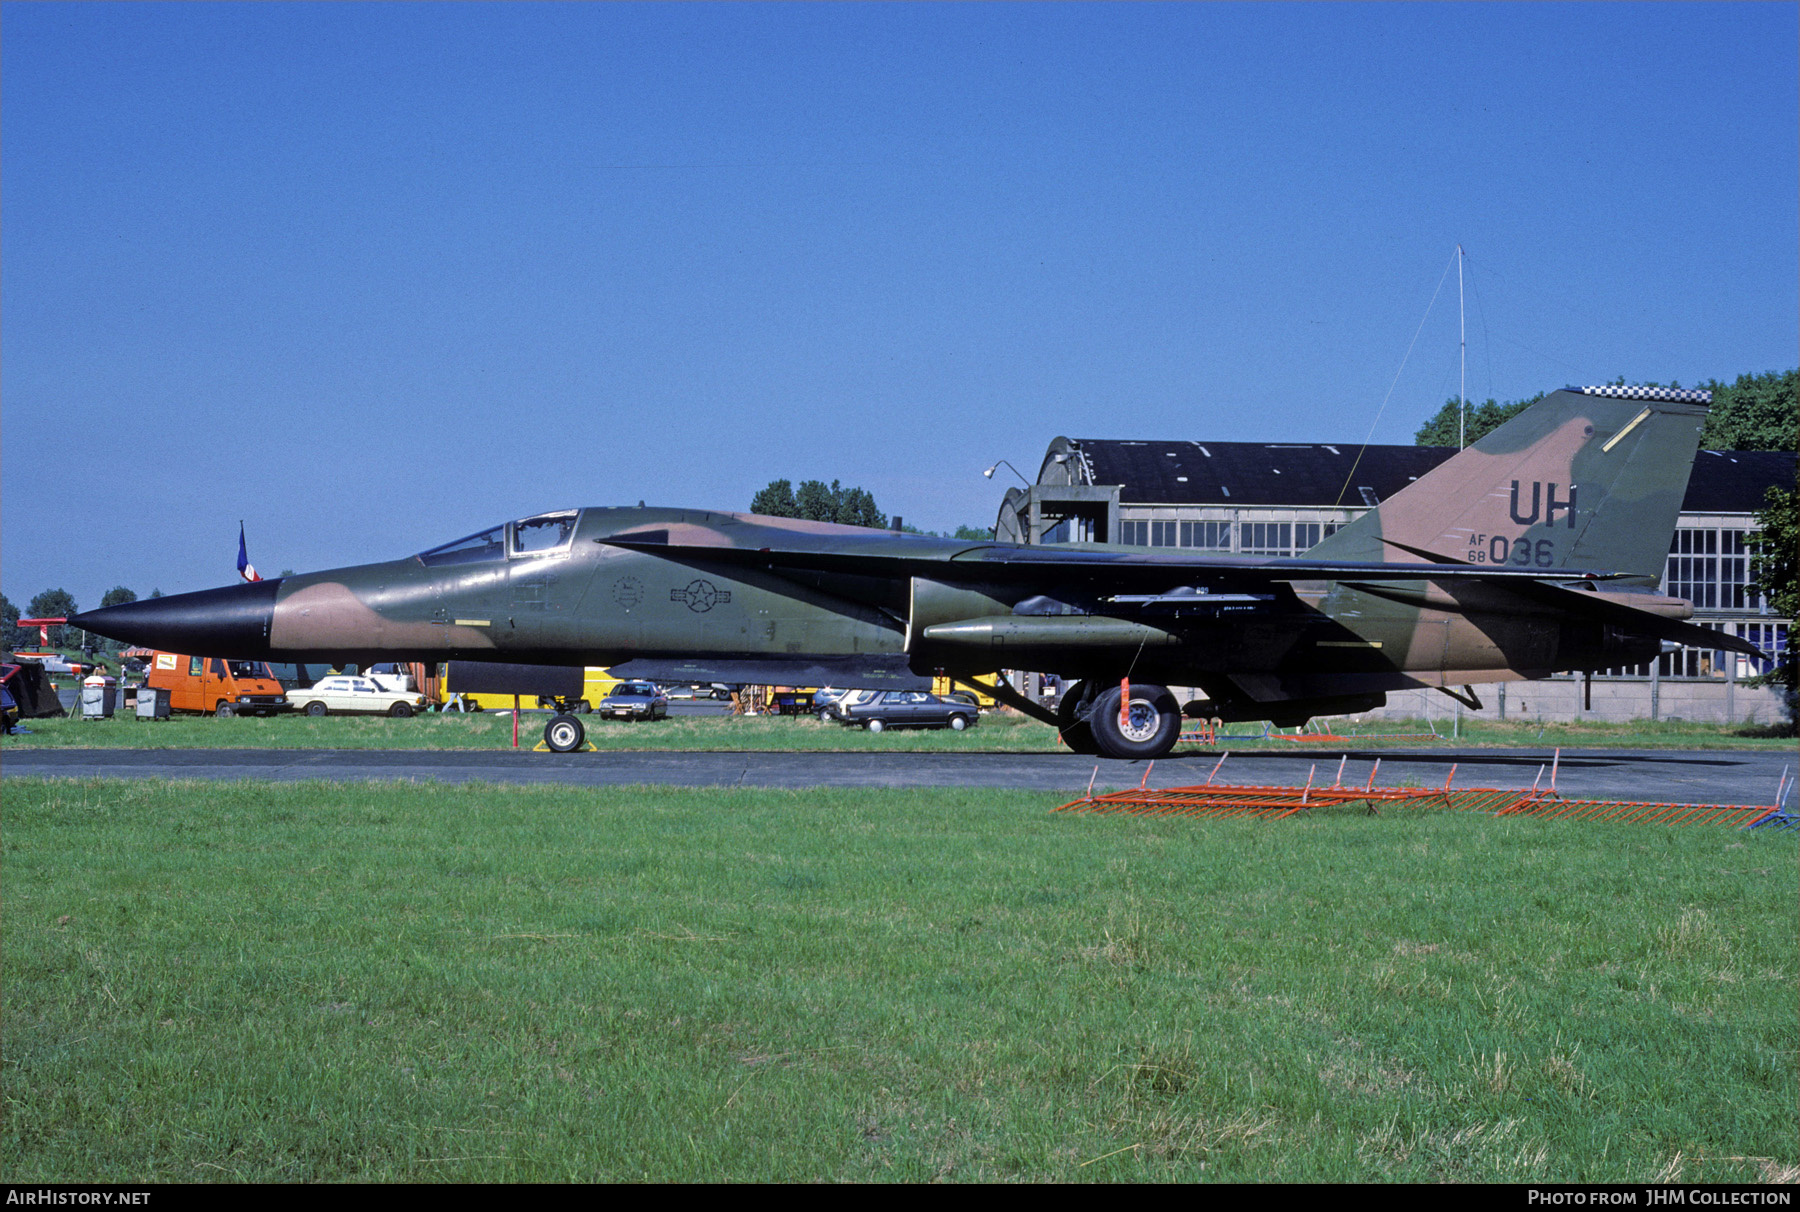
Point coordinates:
pixel 225 711
pixel 564 734
pixel 401 711
pixel 876 725
pixel 1152 726
pixel 958 723
pixel 581 707
pixel 1071 720
pixel 316 709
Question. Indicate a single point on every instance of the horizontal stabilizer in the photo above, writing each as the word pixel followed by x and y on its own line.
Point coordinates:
pixel 1640 622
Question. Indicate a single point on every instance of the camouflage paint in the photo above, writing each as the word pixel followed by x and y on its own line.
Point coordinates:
pixel 1455 579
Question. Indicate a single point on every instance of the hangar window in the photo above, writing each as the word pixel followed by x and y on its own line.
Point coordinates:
pixel 1267 538
pixel 1208 536
pixel 1711 569
pixel 1693 571
pixel 1770 637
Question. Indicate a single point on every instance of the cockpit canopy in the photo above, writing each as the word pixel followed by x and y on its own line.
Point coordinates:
pixel 547 534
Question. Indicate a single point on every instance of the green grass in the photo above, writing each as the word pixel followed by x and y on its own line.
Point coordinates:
pixel 1004 732
pixel 291 982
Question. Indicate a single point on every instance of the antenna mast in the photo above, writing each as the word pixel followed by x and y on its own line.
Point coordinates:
pixel 1462 386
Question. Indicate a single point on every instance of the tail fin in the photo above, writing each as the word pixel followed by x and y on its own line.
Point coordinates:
pixel 1587 478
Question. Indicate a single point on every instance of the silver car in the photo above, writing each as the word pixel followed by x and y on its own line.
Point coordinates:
pixel 634 701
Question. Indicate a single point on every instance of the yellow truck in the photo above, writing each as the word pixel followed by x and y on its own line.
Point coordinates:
pixel 942 686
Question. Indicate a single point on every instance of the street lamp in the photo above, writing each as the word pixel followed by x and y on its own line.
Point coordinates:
pixel 989 473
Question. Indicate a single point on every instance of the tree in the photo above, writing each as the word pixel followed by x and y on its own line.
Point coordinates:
pixel 857 508
pixel 1482 420
pixel 1774 555
pixel 775 501
pixel 819 502
pixel 1758 412
pixel 9 624
pixel 975 533
pixel 815 501
pixel 118 595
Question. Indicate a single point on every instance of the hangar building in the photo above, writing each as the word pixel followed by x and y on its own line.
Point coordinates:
pixel 1278 499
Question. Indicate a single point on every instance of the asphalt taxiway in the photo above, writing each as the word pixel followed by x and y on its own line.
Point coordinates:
pixel 1657 776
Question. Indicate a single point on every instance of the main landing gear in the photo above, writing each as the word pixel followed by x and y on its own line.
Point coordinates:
pixel 1092 720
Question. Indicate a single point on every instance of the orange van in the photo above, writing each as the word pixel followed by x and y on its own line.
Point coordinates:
pixel 217 687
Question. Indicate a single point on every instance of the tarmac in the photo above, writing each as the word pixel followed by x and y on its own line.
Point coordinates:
pixel 1655 776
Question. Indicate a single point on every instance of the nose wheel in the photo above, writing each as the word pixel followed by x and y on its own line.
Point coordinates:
pixel 564 734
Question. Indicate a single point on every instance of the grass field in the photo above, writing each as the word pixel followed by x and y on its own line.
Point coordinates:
pixel 998 732
pixel 290 982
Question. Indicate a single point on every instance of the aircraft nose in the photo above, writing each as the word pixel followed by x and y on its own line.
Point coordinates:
pixel 232 622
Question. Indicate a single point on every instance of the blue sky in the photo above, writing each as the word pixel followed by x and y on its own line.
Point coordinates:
pixel 370 277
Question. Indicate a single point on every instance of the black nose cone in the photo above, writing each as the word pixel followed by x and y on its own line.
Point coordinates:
pixel 232 622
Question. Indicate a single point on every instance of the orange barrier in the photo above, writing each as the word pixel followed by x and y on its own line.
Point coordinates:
pixel 1272 802
pixel 1739 815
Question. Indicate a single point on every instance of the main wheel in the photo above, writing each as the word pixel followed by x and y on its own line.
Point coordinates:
pixel 225 711
pixel 316 709
pixel 1151 726
pixel 1071 719
pixel 876 725
pixel 581 707
pixel 958 723
pixel 400 711
pixel 564 734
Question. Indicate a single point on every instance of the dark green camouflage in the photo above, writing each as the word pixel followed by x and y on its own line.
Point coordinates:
pixel 1534 551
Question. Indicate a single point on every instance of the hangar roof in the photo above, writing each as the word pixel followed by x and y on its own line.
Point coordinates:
pixel 1734 481
pixel 1325 474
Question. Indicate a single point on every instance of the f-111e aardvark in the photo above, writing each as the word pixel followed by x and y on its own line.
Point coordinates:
pixel 1537 550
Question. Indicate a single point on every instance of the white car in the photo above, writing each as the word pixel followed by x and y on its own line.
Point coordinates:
pixel 348 692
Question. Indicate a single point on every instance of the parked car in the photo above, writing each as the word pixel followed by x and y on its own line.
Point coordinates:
pixel 880 709
pixel 824 698
pixel 634 701
pixel 346 692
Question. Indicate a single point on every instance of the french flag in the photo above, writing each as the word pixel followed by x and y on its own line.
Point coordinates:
pixel 246 569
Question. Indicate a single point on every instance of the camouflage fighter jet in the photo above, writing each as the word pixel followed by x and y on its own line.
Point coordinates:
pixel 1537 550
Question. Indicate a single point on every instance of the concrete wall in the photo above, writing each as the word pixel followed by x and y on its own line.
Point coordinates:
pixel 1616 700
